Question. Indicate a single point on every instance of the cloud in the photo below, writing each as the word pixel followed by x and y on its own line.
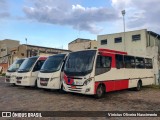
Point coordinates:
pixel 4 9
pixel 140 13
pixel 76 16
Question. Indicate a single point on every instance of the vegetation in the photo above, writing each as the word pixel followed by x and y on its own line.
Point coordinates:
pixel 3 74
pixel 153 86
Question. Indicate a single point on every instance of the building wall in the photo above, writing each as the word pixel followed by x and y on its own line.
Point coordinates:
pixel 132 47
pixel 82 45
pixel 5 48
pixel 153 51
pixel 25 51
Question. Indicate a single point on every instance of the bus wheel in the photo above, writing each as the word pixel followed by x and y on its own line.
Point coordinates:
pixel 14 84
pixel 139 85
pixel 100 91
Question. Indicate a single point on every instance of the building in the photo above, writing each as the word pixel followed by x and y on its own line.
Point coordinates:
pixel 82 44
pixel 25 51
pixel 5 48
pixel 138 43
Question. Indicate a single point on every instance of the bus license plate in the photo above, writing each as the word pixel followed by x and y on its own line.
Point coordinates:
pixel 73 87
pixel 7 80
pixel 43 82
pixel 78 83
pixel 18 81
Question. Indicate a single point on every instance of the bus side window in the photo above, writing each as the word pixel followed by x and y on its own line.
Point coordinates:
pixel 103 64
pixel 38 65
pixel 64 61
pixel 119 61
pixel 148 63
pixel 129 61
pixel 140 62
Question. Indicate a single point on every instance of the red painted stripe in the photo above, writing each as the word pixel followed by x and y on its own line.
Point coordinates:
pixel 65 78
pixel 111 51
pixel 68 80
pixel 114 85
pixel 42 58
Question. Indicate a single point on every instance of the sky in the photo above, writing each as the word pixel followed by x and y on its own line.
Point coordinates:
pixel 55 23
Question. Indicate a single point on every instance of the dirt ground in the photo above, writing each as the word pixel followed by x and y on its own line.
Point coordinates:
pixel 15 98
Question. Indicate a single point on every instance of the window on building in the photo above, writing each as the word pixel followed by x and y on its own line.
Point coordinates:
pixel 103 42
pixel 129 61
pixel 118 40
pixel 103 64
pixel 119 61
pixel 148 63
pixel 3 50
pixel 136 37
pixel 139 62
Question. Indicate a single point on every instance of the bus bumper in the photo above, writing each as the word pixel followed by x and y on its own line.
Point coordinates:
pixel 87 90
pixel 10 80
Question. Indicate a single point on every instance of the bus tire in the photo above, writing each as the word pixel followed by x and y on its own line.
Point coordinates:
pixel 100 91
pixel 14 84
pixel 47 89
pixel 139 86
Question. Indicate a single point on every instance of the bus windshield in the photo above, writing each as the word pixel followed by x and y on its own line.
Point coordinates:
pixel 14 67
pixel 79 63
pixel 53 63
pixel 27 64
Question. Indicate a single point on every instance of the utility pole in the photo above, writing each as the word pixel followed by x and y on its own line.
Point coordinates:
pixel 123 14
pixel 26 48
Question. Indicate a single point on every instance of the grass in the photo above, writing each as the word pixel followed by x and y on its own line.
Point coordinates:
pixel 153 86
pixel 3 74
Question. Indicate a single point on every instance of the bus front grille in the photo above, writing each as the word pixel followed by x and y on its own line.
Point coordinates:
pixel 8 76
pixel 44 81
pixel 19 78
pixel 74 88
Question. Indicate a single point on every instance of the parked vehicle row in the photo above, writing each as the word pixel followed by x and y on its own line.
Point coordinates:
pixel 91 72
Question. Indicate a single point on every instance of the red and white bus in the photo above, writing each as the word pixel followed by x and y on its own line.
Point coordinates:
pixel 95 72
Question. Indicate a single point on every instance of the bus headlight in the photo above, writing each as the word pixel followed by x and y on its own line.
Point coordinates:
pixel 13 76
pixel 25 77
pixel 55 78
pixel 87 81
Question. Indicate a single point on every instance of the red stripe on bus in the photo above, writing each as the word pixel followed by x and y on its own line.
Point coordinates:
pixel 42 58
pixel 111 51
pixel 113 85
pixel 68 80
pixel 65 78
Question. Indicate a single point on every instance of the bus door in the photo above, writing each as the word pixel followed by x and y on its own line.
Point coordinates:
pixel 104 63
pixel 35 70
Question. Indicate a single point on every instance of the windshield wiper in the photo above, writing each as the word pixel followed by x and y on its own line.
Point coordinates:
pixel 47 71
pixel 22 70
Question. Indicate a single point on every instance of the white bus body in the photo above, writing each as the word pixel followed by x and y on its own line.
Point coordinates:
pixel 28 71
pixel 12 71
pixel 51 73
pixel 95 72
